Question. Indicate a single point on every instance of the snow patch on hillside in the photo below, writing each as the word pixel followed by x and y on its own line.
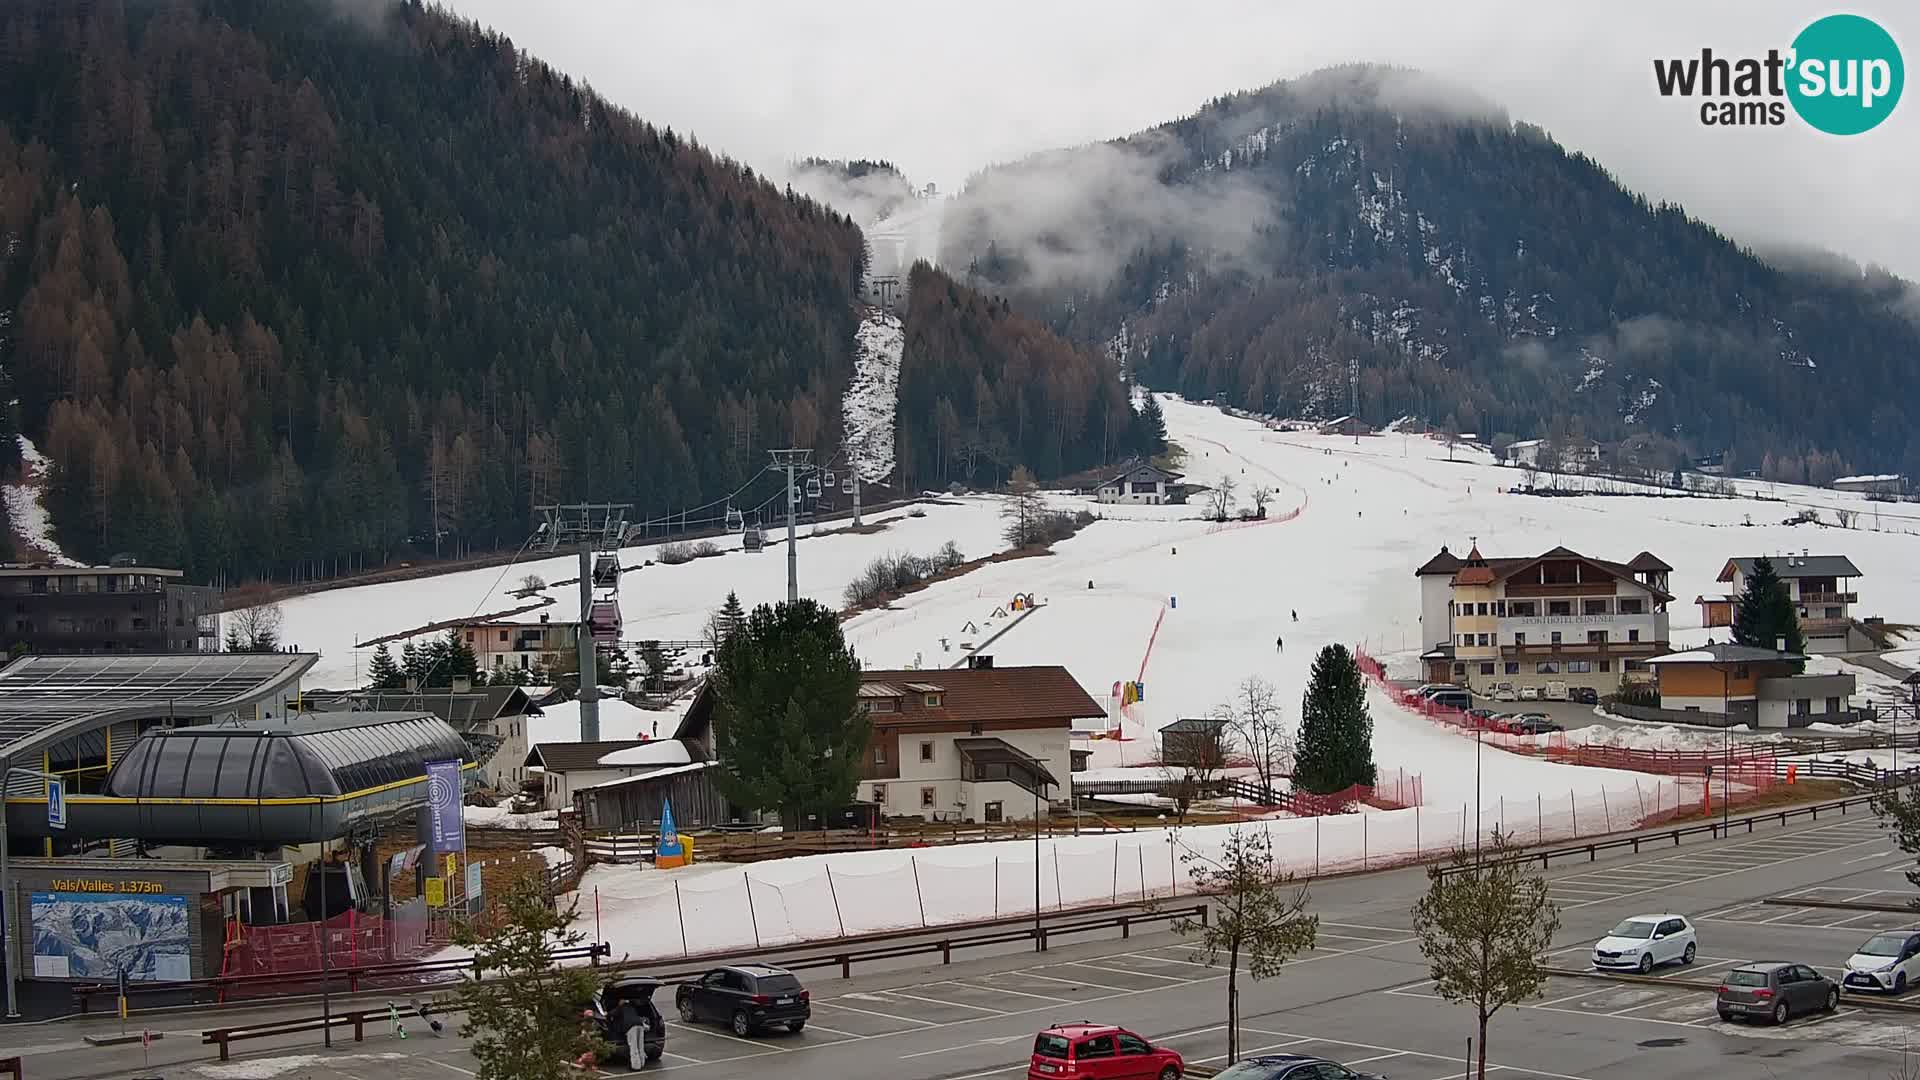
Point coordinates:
pixel 26 511
pixel 874 393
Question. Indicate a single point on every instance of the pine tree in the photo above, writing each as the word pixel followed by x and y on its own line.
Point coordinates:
pixel 524 1018
pixel 1765 614
pixel 413 665
pixel 785 691
pixel 1150 428
pixel 383 673
pixel 1335 748
pixel 730 617
pixel 456 659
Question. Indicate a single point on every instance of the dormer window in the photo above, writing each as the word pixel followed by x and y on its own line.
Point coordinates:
pixel 933 701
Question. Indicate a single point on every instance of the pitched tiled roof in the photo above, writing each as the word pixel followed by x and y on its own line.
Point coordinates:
pixel 1444 563
pixel 1797 566
pixel 575 756
pixel 1647 560
pixel 1506 568
pixel 1001 693
pixel 1475 570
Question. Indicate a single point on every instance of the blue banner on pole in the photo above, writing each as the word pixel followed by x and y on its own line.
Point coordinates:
pixel 443 806
pixel 670 846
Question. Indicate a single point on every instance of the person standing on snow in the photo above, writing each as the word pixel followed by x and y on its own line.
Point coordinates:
pixel 1279 645
pixel 1296 615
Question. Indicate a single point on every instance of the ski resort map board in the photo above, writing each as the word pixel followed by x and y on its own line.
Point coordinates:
pixel 93 935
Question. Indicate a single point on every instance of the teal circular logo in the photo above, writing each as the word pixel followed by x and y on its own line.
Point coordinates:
pixel 1846 74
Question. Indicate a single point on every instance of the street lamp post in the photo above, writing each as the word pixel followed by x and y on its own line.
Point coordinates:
pixel 1726 760
pixel 1477 729
pixel 7 771
pixel 1038 941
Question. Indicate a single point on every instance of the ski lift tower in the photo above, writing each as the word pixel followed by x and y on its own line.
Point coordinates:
pixel 796 463
pixel 596 529
pixel 597 525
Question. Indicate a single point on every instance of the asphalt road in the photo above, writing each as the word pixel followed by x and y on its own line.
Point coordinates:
pixel 1361 998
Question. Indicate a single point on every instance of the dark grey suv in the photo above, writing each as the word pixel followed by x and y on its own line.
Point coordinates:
pixel 1775 992
pixel 746 998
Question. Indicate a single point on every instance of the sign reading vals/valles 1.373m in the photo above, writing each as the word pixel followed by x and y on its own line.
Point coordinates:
pixel 103 885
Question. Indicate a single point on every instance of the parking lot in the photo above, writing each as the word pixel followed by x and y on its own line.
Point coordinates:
pixel 1615 880
pixel 1047 992
pixel 1359 998
pixel 1642 1005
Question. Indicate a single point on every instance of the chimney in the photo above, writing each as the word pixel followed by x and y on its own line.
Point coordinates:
pixel 1779 644
pixel 413 684
pixel 462 684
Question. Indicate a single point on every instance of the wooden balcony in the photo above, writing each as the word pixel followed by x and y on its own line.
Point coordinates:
pixel 1829 598
pixel 1571 588
pixel 1583 648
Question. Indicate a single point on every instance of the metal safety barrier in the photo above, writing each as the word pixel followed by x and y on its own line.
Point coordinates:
pixel 1715 829
pixel 843 959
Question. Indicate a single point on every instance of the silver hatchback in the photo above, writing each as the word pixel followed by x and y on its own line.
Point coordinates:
pixel 1775 992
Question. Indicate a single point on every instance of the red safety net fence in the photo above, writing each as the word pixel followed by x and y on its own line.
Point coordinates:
pixel 1737 773
pixel 350 940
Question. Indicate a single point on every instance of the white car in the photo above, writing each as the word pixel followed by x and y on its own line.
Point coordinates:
pixel 1889 961
pixel 1644 942
pixel 1505 692
pixel 1529 693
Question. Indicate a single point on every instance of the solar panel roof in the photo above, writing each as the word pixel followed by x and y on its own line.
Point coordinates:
pixel 40 693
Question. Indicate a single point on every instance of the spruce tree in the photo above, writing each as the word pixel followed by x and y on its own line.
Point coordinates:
pixel 457 660
pixel 1335 746
pixel 785 717
pixel 383 673
pixel 413 665
pixel 1150 427
pixel 730 617
pixel 1765 614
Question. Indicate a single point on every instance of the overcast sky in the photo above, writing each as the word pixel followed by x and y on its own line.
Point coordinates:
pixel 943 89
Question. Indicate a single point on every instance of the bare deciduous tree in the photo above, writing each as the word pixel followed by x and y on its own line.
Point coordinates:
pixel 255 629
pixel 1258 913
pixel 1485 926
pixel 1258 722
pixel 1262 495
pixel 1220 499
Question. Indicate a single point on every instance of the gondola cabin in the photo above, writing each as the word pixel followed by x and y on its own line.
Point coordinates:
pixel 603 621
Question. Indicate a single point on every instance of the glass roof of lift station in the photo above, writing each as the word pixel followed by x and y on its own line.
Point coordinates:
pixel 313 754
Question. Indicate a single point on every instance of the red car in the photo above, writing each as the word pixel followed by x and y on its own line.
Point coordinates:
pixel 1090 1051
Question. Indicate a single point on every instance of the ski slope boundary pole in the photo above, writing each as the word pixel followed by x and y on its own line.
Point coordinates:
pixel 1151 638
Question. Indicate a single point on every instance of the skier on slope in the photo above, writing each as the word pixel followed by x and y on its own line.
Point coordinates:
pixel 1279 645
pixel 1295 614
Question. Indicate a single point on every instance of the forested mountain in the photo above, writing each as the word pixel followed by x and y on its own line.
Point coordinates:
pixel 1477 273
pixel 281 289
pixel 983 389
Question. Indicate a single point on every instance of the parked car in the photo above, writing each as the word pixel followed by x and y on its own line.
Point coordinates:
pixel 1084 1049
pixel 1483 716
pixel 1292 1067
pixel 1529 693
pixel 1888 961
pixel 1776 991
pixel 746 998
pixel 1556 691
pixel 1429 689
pixel 1505 692
pixel 624 1002
pixel 1646 941
pixel 1532 723
pixel 1585 695
pixel 1451 699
